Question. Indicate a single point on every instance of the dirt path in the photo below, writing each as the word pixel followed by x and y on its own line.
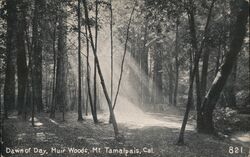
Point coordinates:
pixel 159 138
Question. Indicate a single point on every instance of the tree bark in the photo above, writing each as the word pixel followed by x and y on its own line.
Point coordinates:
pixel 111 52
pixel 22 70
pixel 80 118
pixel 204 73
pixel 53 104
pixel 229 90
pixel 157 70
pixel 95 78
pixel 37 56
pixel 61 82
pixel 88 73
pixel 225 70
pixel 171 81
pixel 144 62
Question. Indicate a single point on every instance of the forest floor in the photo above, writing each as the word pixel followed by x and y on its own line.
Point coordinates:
pixel 156 140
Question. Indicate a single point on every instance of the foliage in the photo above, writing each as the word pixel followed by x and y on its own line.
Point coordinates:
pixel 226 120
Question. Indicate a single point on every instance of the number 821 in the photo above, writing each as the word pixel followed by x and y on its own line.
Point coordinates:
pixel 235 150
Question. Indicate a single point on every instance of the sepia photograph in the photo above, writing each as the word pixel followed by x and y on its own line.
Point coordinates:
pixel 124 78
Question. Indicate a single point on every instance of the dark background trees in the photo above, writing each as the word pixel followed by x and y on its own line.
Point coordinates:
pixel 9 85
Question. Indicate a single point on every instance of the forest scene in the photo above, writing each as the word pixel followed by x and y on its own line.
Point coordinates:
pixel 111 78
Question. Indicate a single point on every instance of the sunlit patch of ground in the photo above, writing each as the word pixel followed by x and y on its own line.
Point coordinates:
pixel 53 121
pixel 242 137
pixel 133 117
pixel 21 136
pixel 153 134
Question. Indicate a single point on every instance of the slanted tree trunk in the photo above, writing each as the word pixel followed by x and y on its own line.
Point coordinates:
pixel 229 90
pixel 123 59
pixel 88 74
pixel 9 86
pixel 204 73
pixel 195 71
pixel 116 131
pixel 122 64
pixel 220 80
pixel 206 58
pixel 218 59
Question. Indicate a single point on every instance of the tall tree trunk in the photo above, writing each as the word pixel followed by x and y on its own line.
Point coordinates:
pixel 111 52
pixel 191 64
pixel 157 69
pixel 213 94
pixel 37 56
pixel 53 104
pixel 170 79
pixel 88 73
pixel 34 49
pixel 22 69
pixel 95 72
pixel 79 64
pixel 176 62
pixel 36 64
pixel 144 63
pixel 9 86
pixel 111 55
pixel 28 91
pixel 61 82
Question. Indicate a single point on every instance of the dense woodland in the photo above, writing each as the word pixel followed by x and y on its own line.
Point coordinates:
pixel 87 57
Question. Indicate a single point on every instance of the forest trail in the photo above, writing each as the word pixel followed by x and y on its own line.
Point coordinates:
pixel 158 132
pixel 133 117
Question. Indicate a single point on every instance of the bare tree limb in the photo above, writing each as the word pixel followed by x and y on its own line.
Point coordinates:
pixel 123 58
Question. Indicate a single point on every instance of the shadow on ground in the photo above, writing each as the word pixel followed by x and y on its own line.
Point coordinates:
pixel 140 141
